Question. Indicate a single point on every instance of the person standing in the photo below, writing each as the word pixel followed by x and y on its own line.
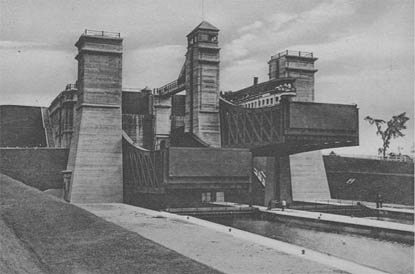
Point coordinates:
pixel 379 201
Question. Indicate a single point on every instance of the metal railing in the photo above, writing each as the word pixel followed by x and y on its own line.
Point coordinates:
pixel 71 87
pixel 132 89
pixel 102 33
pixel 260 176
pixel 396 158
pixel 293 53
pixel 169 88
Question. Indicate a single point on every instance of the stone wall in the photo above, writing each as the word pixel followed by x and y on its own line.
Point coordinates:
pixel 37 167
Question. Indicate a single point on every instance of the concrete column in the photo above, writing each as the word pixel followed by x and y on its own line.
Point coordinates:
pixel 95 155
pixel 308 177
pixel 285 188
pixel 162 122
pixel 271 180
pixel 67 175
pixel 278 180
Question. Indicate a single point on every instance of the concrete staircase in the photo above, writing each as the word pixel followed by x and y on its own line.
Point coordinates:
pixel 308 177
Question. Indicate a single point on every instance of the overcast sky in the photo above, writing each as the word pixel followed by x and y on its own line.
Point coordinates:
pixel 365 48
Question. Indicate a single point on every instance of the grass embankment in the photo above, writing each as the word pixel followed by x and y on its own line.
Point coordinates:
pixel 44 235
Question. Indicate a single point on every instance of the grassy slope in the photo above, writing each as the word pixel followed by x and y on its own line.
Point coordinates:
pixel 63 238
pixel 14 257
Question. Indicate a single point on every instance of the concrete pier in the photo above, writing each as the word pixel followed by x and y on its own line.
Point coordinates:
pixel 95 156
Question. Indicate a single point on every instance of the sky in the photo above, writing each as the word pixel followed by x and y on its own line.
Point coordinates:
pixel 365 48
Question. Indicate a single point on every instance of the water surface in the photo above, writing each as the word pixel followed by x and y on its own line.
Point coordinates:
pixel 384 255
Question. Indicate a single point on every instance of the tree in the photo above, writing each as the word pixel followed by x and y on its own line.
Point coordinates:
pixel 393 130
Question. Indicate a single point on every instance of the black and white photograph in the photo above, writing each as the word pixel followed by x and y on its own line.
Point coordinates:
pixel 207 136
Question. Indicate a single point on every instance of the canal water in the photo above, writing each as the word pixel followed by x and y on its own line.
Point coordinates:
pixel 384 255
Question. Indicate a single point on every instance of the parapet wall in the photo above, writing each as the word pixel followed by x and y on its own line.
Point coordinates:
pixel 37 167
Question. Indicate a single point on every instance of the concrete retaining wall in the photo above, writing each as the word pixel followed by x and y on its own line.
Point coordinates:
pixel 37 167
pixel 21 126
pixel 393 180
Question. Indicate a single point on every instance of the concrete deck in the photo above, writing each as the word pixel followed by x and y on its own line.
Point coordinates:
pixel 333 217
pixel 226 249
pixel 341 219
pixel 385 206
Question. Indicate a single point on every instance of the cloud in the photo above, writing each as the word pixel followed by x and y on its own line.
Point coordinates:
pixel 240 74
pixel 367 62
pixel 254 26
pixel 282 28
pixel 278 20
pixel 18 45
pixel 28 69
pixel 238 48
pixel 153 66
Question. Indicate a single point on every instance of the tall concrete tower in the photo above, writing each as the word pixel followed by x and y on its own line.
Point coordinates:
pixel 298 65
pixel 304 174
pixel 95 156
pixel 202 84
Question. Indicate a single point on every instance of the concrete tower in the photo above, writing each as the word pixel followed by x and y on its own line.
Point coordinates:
pixel 95 156
pixel 202 84
pixel 302 176
pixel 298 65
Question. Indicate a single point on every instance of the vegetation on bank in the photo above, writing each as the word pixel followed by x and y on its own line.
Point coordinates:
pixel 393 129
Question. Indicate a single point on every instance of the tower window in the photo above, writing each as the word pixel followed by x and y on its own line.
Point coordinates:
pixel 203 37
pixel 213 38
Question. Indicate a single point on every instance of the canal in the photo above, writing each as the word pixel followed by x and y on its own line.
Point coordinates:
pixel 392 257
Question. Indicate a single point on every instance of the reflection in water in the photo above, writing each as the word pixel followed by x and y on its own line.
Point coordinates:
pixel 380 254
